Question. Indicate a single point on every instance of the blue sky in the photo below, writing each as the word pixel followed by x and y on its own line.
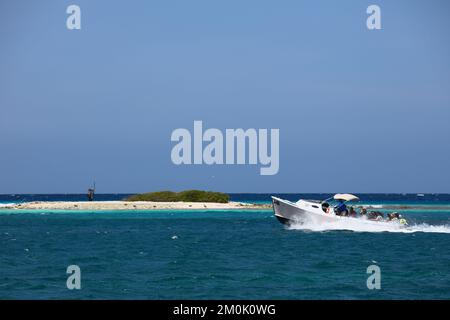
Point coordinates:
pixel 358 110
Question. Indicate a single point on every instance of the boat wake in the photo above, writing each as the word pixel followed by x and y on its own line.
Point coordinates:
pixel 369 226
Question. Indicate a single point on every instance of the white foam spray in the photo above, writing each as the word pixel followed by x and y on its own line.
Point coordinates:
pixel 358 225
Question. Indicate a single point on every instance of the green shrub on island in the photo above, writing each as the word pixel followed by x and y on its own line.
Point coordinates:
pixel 184 196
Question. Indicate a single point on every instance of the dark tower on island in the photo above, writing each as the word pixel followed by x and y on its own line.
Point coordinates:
pixel 91 192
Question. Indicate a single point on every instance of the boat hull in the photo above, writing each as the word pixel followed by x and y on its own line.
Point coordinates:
pixel 288 212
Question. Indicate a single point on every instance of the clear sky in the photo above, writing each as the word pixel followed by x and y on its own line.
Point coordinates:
pixel 358 110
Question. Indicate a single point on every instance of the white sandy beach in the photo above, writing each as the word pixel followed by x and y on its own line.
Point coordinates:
pixel 135 205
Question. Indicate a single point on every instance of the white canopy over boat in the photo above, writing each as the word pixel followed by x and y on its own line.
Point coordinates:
pixel 345 197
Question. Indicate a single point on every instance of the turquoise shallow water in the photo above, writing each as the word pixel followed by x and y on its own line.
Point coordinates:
pixel 216 255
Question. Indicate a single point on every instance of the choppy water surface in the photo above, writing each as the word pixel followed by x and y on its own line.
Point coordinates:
pixel 227 254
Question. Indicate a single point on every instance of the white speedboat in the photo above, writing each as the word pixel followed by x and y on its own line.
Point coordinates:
pixel 318 212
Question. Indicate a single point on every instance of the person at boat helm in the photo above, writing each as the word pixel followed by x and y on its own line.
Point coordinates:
pixel 341 208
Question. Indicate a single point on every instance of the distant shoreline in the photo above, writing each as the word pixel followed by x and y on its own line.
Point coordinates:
pixel 153 205
pixel 135 205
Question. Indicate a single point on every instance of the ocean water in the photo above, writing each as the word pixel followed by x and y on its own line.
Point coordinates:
pixel 222 254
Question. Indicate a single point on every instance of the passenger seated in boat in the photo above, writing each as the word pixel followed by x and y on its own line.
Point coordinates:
pixel 363 212
pixel 393 216
pixel 341 209
pixel 375 215
pixel 351 212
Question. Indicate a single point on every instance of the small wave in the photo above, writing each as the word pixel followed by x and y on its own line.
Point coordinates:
pixel 375 206
pixel 424 227
pixel 369 226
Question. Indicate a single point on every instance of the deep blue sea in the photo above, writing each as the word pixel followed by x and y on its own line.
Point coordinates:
pixel 220 254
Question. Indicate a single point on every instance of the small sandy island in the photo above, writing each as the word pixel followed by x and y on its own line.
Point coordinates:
pixel 136 205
